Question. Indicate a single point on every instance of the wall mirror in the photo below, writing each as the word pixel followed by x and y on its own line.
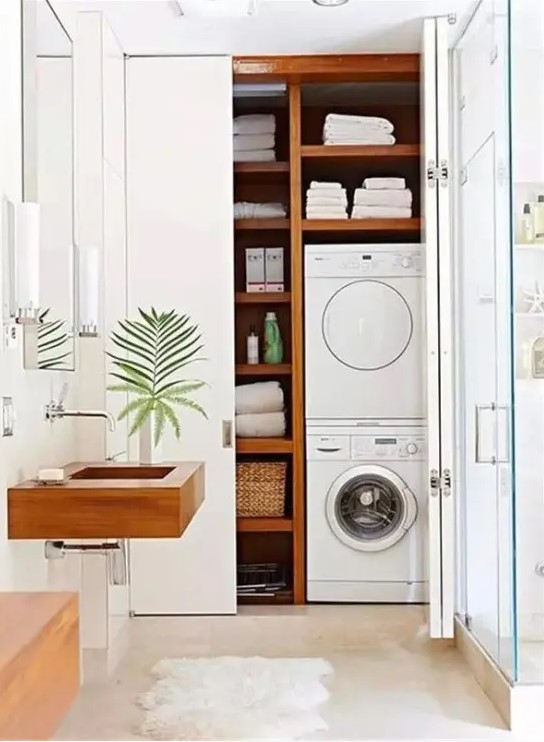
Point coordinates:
pixel 48 178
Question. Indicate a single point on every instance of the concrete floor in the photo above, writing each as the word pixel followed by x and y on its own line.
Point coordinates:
pixel 390 682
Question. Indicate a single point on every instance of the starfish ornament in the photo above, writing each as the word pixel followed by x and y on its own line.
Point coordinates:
pixel 535 299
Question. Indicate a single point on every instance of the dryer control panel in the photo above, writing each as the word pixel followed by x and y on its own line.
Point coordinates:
pixel 401 260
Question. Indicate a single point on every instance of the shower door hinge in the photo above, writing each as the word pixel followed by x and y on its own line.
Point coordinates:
pixel 463 176
pixel 440 484
pixel 466 619
pixel 438 174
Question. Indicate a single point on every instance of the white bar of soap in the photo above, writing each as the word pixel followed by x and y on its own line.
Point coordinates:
pixel 51 475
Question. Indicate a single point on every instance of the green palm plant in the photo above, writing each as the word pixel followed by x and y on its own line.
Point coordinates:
pixel 157 347
pixel 52 341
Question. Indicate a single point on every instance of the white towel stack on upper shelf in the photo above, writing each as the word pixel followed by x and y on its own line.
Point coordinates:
pixel 255 138
pixel 260 410
pixel 326 201
pixel 382 198
pixel 345 129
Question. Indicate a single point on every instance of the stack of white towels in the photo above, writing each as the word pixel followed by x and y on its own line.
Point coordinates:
pixel 382 198
pixel 345 129
pixel 326 201
pixel 255 138
pixel 250 210
pixel 260 410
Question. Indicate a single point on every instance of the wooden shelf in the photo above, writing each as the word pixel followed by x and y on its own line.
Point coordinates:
pixel 244 224
pixel 264 445
pixel 361 225
pixel 263 369
pixel 260 167
pixel 266 297
pixel 284 597
pixel 264 525
pixel 395 151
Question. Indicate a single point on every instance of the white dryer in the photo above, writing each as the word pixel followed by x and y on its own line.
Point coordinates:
pixel 364 332
pixel 366 515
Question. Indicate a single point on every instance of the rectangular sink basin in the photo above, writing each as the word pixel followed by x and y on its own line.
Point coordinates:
pixel 123 472
pixel 108 501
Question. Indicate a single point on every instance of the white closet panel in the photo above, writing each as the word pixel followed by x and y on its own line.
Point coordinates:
pixel 180 255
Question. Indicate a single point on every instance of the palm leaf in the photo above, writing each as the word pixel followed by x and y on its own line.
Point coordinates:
pixel 51 336
pixel 157 346
pixel 171 416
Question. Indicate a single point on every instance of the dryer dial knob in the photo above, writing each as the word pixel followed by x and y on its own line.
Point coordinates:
pixel 411 448
pixel 406 261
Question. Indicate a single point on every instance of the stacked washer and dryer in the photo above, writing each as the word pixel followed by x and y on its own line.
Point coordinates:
pixel 365 423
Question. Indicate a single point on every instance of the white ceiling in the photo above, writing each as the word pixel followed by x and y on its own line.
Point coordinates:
pixel 278 27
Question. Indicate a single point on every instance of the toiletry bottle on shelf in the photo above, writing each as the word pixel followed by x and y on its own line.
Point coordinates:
pixel 538 358
pixel 538 220
pixel 527 225
pixel 252 346
pixel 273 345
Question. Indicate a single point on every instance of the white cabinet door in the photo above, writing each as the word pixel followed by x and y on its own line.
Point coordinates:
pixel 436 194
pixel 180 255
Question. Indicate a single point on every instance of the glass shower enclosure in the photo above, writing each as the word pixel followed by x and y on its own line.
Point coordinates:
pixel 498 110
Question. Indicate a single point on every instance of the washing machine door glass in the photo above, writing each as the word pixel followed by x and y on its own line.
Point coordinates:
pixel 367 325
pixel 370 508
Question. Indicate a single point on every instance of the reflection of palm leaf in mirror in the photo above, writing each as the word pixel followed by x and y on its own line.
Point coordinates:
pixel 158 347
pixel 52 340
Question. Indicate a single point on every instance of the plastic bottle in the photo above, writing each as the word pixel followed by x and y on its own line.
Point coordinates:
pixel 252 346
pixel 538 220
pixel 273 345
pixel 527 225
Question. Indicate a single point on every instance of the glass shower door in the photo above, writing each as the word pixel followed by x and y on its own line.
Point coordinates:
pixel 483 331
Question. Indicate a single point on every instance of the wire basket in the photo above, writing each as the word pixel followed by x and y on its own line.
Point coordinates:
pixel 260 489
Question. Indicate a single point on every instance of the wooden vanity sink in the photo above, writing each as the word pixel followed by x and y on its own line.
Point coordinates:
pixel 105 500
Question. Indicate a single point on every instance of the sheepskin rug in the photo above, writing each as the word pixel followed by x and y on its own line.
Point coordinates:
pixel 235 698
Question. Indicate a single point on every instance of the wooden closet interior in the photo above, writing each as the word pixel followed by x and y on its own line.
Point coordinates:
pixel 376 85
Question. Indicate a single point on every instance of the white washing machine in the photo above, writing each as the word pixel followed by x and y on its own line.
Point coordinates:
pixel 364 332
pixel 366 515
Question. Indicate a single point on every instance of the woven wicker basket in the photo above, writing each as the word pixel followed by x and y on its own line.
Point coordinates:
pixel 260 489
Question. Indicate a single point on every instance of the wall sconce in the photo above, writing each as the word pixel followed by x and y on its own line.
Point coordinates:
pixel 22 237
pixel 89 291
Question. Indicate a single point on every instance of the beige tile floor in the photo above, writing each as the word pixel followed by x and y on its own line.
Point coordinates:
pixel 389 683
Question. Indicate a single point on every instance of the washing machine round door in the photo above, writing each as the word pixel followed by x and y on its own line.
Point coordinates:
pixel 367 325
pixel 370 508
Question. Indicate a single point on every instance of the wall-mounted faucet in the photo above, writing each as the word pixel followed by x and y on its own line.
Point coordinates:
pixel 55 411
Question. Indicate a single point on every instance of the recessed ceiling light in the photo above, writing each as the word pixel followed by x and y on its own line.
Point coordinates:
pixel 330 3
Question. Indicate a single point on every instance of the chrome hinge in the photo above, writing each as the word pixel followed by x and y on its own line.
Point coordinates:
pixel 463 176
pixel 435 174
pixel 467 620
pixel 439 483
pixel 227 433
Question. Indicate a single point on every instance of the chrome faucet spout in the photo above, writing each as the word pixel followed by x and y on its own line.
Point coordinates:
pixel 57 412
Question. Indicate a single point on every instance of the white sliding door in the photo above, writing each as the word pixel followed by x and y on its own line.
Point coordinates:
pixel 180 255
pixel 436 212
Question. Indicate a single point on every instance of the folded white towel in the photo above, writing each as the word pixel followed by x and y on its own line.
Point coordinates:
pixel 252 142
pixel 339 193
pixel 248 210
pixel 326 207
pixel 381 212
pixel 326 201
pixel 316 185
pixel 255 123
pixel 364 139
pixel 263 396
pixel 373 121
pixel 378 184
pixel 366 197
pixel 319 215
pixel 261 425
pixel 353 130
pixel 259 155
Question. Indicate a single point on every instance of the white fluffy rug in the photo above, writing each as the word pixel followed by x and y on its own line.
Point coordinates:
pixel 235 698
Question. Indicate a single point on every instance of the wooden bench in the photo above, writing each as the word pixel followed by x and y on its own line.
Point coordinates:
pixel 39 662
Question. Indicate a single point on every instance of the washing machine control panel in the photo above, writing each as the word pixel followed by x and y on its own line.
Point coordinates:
pixel 388 447
pixel 402 261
